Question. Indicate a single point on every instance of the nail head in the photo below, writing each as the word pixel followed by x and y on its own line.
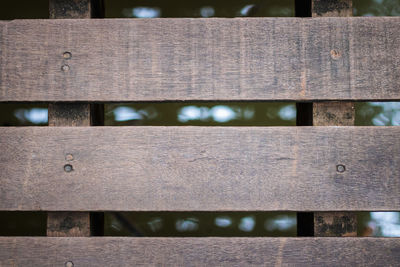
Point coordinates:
pixel 68 168
pixel 340 168
pixel 67 55
pixel 69 264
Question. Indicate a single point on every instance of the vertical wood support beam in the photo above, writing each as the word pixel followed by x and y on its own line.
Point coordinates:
pixel 325 114
pixel 333 114
pixel 74 114
pixel 76 9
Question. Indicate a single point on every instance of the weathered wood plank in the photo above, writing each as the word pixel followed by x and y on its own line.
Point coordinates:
pixel 71 114
pixel 64 224
pixel 200 168
pixel 332 8
pixel 201 59
pixel 334 114
pixel 70 9
pixel 76 9
pixel 123 251
pixel 335 224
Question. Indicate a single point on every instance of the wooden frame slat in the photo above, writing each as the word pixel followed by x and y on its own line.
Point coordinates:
pixel 111 251
pixel 334 114
pixel 200 168
pixel 301 59
pixel 72 114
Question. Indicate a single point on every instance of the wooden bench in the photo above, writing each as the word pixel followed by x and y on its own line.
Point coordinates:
pixel 331 171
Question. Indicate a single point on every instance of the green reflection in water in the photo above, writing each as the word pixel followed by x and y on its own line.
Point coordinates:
pixel 376 8
pixel 378 114
pixel 200 224
pixel 199 8
pixel 202 114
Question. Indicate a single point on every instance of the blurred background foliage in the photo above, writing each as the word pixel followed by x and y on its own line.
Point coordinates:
pixel 201 114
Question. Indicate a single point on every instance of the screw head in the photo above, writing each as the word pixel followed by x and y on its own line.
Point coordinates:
pixel 67 55
pixel 65 68
pixel 340 168
pixel 68 168
pixel 69 264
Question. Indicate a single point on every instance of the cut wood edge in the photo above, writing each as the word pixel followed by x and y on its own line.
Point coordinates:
pixel 126 251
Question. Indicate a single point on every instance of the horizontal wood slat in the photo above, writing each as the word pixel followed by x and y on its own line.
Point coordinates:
pixel 200 59
pixel 200 168
pixel 111 251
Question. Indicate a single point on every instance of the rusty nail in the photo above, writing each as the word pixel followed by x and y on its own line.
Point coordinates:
pixel 69 157
pixel 69 264
pixel 65 68
pixel 67 55
pixel 68 168
pixel 340 168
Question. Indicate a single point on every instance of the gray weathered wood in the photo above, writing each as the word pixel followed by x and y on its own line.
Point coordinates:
pixel 70 9
pixel 126 251
pixel 200 168
pixel 201 59
pixel 332 8
pixel 71 114
pixel 335 223
pixel 64 224
pixel 334 114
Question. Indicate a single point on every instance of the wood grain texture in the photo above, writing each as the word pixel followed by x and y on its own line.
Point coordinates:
pixel 111 251
pixel 72 114
pixel 332 8
pixel 70 9
pixel 69 114
pixel 201 59
pixel 200 168
pixel 64 224
pixel 334 114
pixel 76 9
pixel 335 224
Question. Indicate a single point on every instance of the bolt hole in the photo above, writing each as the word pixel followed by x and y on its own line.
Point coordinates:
pixel 68 168
pixel 67 55
pixel 340 168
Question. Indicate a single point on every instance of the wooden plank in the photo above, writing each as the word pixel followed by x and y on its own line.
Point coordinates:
pixel 332 8
pixel 128 251
pixel 200 168
pixel 298 59
pixel 334 114
pixel 76 9
pixel 71 114
pixel 335 224
pixel 70 9
pixel 64 224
